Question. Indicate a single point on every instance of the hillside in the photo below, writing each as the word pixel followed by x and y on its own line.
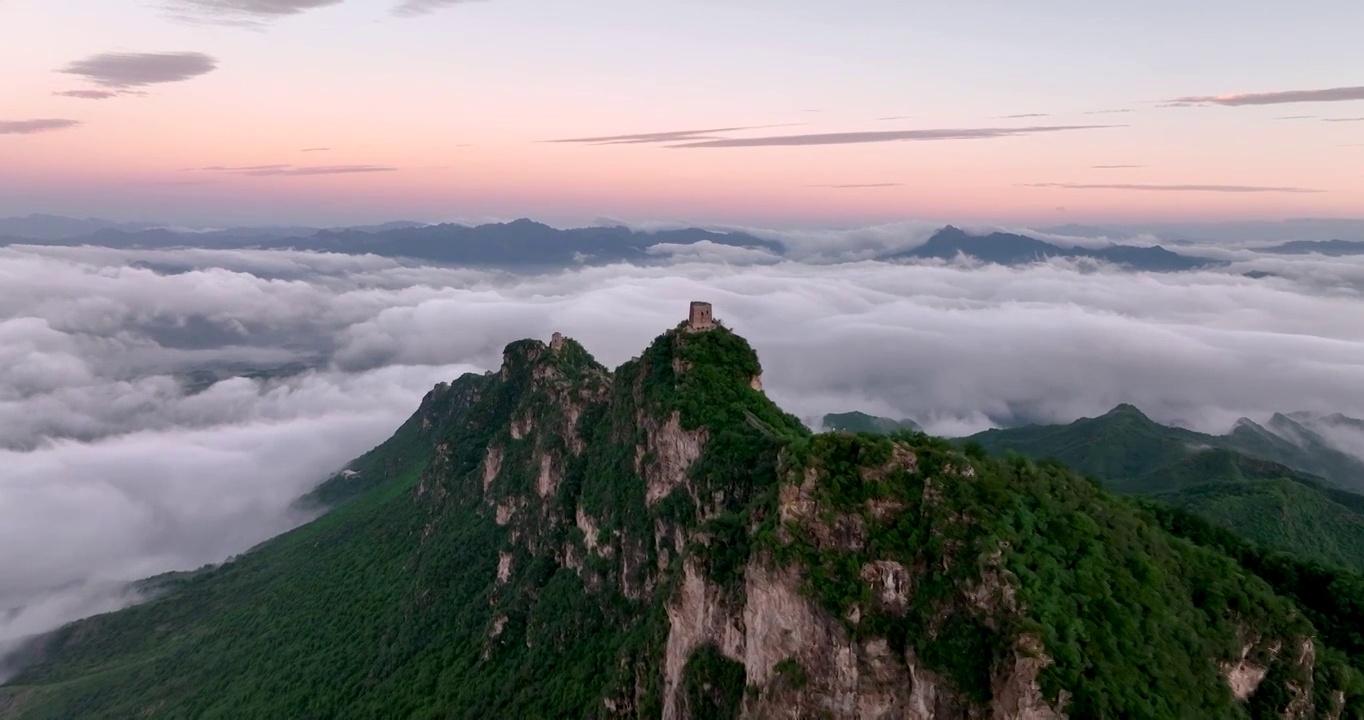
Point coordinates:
pixel 1252 481
pixel 556 539
pixel 1125 447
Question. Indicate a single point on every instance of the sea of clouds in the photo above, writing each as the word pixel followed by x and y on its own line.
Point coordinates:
pixel 112 469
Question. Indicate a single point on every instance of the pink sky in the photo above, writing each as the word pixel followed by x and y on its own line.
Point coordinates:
pixel 457 106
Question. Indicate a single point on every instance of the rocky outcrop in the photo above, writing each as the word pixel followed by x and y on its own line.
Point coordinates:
pixel 1244 675
pixel 492 465
pixel 1300 688
pixel 697 615
pixel 666 455
pixel 800 662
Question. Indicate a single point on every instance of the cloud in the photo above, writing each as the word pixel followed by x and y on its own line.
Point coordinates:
pixel 1118 111
pixel 873 136
pixel 297 171
pixel 315 149
pixel 111 469
pixel 851 186
pixel 29 127
pixel 1175 188
pixel 1116 167
pixel 244 12
pixel 1338 94
pixel 88 94
pixel 412 8
pixel 1348 119
pixel 1296 117
pixel 122 70
pixel 662 137
pixel 896 117
pixel 1022 115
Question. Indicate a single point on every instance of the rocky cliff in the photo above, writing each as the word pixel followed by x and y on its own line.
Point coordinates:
pixel 556 539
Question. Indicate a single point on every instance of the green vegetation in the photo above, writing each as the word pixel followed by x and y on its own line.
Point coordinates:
pixel 712 685
pixel 1136 620
pixel 509 552
pixel 1130 451
pixel 1251 481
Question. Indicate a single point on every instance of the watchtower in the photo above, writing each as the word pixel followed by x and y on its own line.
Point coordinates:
pixel 700 317
pixel 556 342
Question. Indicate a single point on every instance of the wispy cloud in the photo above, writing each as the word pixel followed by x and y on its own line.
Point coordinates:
pixel 1350 119
pixel 29 127
pixel 243 12
pixel 315 149
pixel 1174 188
pixel 896 117
pixel 1338 94
pixel 1296 117
pixel 88 94
pixel 851 186
pixel 124 70
pixel 1118 111
pixel 1116 167
pixel 295 170
pixel 1020 116
pixel 666 136
pixel 412 8
pixel 875 136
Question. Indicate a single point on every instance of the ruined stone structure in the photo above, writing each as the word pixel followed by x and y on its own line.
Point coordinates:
pixel 700 317
pixel 556 342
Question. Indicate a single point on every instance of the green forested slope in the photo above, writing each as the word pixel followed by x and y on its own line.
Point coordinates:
pixel 1251 481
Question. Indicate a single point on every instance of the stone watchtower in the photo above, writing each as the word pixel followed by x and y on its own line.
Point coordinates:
pixel 700 317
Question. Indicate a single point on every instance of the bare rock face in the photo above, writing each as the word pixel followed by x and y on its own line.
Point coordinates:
pixel 1244 675
pixel 891 585
pixel 666 455
pixel 492 465
pixel 697 615
pixel 1300 693
pixel 1017 694
pixel 800 662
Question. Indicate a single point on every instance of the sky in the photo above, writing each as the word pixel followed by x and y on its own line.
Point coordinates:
pixel 775 112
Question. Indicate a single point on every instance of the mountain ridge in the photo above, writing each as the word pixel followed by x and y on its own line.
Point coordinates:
pixel 556 538
pixel 525 243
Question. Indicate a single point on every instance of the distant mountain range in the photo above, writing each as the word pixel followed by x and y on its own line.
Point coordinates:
pixel 1334 248
pixel 1010 249
pixel 525 243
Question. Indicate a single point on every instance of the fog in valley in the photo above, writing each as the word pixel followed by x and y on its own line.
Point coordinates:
pixel 162 409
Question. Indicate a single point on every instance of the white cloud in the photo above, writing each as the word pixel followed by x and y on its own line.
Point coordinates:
pixel 110 471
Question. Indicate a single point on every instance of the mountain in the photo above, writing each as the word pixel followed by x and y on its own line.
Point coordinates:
pixel 518 243
pixel 55 227
pixel 1264 482
pixel 521 243
pixel 1124 446
pixel 856 422
pixel 1334 248
pixel 557 539
pixel 1010 249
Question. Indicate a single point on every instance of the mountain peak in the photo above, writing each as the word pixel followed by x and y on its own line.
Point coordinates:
pixel 1127 410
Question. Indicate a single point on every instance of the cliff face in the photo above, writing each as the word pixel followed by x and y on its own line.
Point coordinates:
pixel 558 539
